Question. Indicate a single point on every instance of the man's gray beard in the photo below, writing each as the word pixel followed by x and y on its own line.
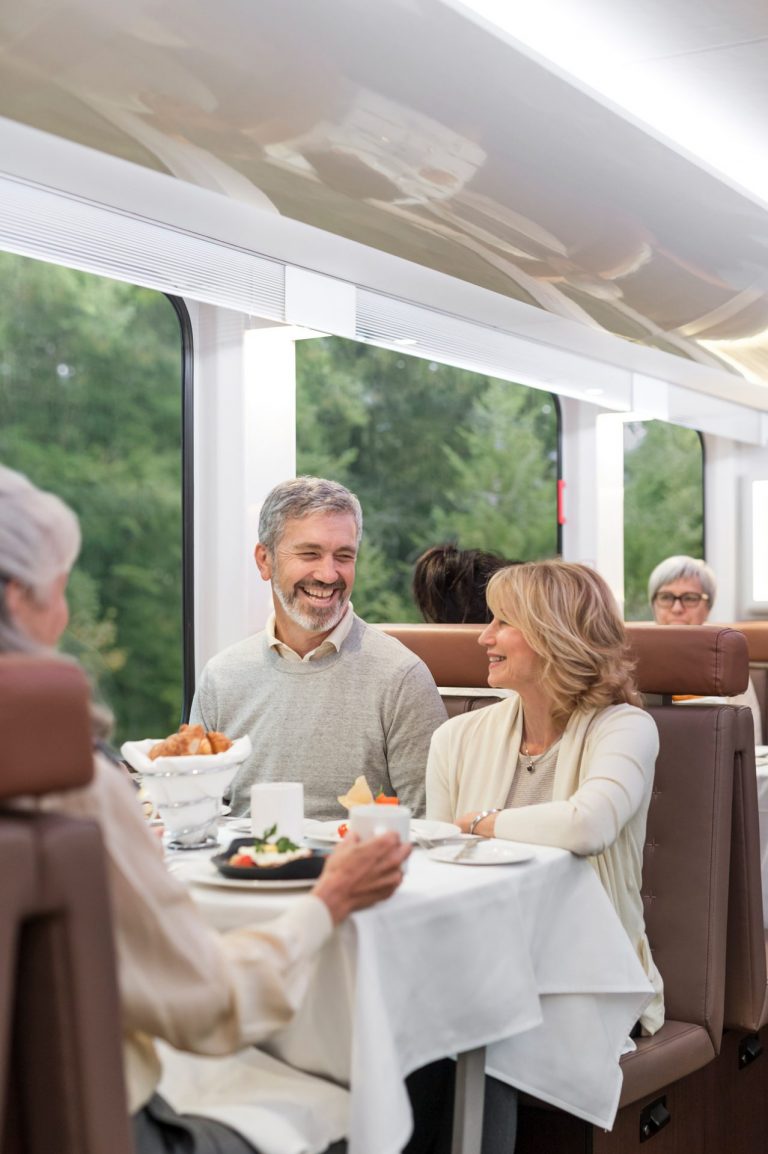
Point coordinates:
pixel 314 621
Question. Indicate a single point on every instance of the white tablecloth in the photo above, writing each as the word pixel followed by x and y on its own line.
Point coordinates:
pixel 527 959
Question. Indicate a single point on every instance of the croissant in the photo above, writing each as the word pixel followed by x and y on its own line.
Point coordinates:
pixel 220 743
pixel 189 741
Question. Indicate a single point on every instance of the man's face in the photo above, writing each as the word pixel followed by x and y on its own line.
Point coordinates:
pixel 312 570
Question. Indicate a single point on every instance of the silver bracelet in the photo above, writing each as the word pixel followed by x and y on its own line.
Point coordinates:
pixel 476 820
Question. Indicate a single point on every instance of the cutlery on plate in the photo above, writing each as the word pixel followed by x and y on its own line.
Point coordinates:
pixel 467 848
pixel 430 842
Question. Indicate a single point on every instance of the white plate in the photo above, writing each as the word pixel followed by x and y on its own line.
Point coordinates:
pixel 484 853
pixel 435 830
pixel 206 874
pixel 327 832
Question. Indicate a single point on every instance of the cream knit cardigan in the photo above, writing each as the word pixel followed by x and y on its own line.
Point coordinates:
pixel 602 789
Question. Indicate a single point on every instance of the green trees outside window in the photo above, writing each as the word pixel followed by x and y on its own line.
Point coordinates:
pixel 434 453
pixel 90 407
pixel 663 504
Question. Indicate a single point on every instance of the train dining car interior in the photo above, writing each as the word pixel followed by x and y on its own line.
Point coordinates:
pixel 501 270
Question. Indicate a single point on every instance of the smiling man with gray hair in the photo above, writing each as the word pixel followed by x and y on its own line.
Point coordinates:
pixel 323 696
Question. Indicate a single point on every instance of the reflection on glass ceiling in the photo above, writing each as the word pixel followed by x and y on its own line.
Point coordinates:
pixel 408 128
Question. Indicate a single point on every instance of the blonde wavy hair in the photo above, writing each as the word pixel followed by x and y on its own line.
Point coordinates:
pixel 569 617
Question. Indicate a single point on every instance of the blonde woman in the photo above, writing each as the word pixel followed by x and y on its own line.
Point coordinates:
pixel 568 759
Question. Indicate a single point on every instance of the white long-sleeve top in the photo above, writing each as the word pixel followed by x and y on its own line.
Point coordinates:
pixel 599 805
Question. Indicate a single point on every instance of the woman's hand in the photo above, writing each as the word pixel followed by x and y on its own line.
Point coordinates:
pixel 360 873
pixel 485 827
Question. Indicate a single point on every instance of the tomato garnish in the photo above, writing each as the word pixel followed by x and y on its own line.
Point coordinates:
pixel 342 830
pixel 241 859
pixel 384 799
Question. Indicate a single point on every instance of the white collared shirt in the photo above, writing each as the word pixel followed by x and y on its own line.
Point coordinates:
pixel 333 641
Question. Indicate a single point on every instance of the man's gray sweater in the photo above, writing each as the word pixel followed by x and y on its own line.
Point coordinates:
pixel 370 708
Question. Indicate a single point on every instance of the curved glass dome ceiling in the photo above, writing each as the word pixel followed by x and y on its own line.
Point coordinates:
pixel 410 128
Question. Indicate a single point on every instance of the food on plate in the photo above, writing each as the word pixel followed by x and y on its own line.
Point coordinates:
pixel 268 854
pixel 359 794
pixel 343 829
pixel 190 740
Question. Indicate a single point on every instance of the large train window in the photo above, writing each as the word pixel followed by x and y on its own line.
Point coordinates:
pixel 90 407
pixel 434 453
pixel 663 504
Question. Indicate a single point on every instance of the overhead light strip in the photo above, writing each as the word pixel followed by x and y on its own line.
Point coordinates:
pixel 60 229
pixel 428 333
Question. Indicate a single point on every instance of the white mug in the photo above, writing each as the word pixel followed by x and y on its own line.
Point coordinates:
pixel 279 803
pixel 369 821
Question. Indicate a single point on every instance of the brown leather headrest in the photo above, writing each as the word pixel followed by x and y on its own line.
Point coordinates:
pixel 756 633
pixel 46 726
pixel 450 652
pixel 706 660
pixel 698 659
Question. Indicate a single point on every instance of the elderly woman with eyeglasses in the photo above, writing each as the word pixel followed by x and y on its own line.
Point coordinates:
pixel 682 591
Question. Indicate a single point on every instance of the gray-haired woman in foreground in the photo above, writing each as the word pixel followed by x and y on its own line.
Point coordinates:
pixel 202 992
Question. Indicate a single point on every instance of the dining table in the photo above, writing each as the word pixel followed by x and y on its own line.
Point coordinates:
pixel 522 970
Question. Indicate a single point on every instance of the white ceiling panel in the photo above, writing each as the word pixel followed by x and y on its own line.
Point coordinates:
pixel 416 130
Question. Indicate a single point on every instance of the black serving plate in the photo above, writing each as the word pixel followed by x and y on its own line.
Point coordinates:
pixel 305 867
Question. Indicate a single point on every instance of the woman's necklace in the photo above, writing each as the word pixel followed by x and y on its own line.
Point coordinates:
pixel 534 759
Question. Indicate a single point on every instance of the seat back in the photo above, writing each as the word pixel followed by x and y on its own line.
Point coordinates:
pixel 454 658
pixel 746 998
pixel 61 1077
pixel 681 659
pixel 686 860
pixel 746 986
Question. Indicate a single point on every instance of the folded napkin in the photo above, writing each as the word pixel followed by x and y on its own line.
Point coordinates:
pixel 136 754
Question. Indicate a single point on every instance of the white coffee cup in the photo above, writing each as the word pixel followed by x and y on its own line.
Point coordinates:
pixel 279 803
pixel 369 821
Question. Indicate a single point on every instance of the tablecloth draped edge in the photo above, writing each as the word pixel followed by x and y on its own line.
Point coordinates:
pixel 605 1123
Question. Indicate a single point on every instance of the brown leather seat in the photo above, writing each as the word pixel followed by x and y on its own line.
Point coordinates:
pixel 454 658
pixel 746 995
pixel 61 1078
pixel 685 892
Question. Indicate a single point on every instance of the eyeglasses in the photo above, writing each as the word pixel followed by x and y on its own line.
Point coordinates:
pixel 687 600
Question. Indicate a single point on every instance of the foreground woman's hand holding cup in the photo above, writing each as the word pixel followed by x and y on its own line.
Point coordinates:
pixel 359 874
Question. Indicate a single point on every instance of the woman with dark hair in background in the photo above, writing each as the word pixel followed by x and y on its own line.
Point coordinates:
pixel 449 584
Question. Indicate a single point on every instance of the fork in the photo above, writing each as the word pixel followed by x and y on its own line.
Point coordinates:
pixel 426 842
pixel 467 848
